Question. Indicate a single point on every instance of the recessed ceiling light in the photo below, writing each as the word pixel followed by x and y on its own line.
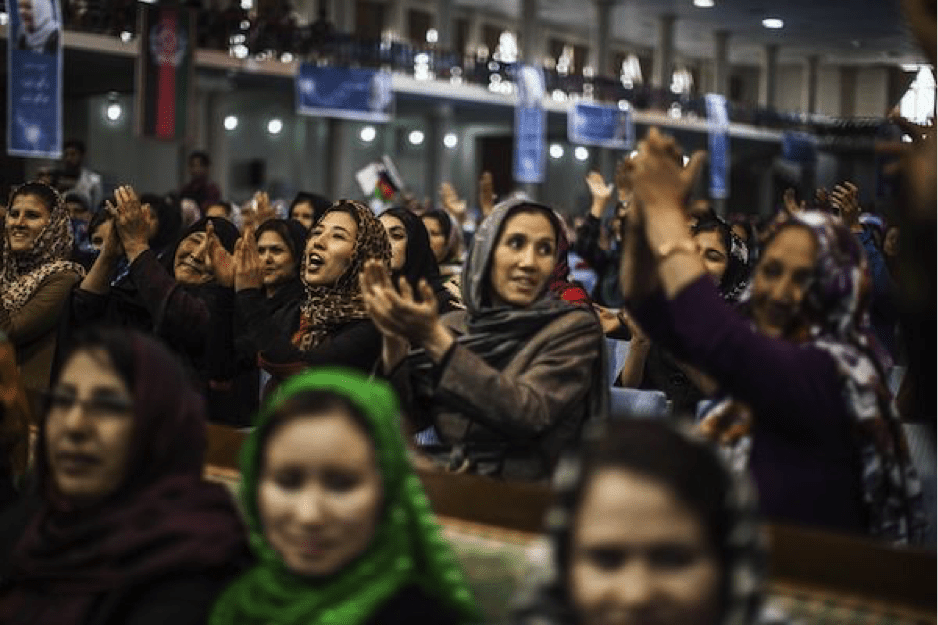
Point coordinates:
pixel 773 23
pixel 703 4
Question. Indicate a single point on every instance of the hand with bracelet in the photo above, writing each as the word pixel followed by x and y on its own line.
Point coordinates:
pixel 661 185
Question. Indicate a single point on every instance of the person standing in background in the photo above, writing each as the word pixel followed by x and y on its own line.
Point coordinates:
pixel 199 188
pixel 74 177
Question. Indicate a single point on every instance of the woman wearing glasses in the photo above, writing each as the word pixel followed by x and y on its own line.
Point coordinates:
pixel 121 528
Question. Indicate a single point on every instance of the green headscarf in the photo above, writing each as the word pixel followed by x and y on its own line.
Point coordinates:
pixel 407 548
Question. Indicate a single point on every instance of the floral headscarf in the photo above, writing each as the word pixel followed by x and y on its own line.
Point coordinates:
pixel 740 543
pixel 21 274
pixel 407 547
pixel 328 307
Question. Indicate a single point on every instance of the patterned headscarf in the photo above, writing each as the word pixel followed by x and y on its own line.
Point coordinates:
pixel 21 274
pixel 407 547
pixel 737 537
pixel 735 278
pixel 328 307
pixel 836 308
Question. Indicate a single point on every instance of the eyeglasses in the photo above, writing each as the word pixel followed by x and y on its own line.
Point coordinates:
pixel 95 406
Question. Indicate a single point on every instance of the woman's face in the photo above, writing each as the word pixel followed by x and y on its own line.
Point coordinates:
pixel 782 279
pixel 397 233
pixel 524 258
pixel 891 242
pixel 303 213
pixel 320 492
pixel 25 221
pixel 276 259
pixel 89 428
pixel 329 248
pixel 437 238
pixel 640 555
pixel 191 265
pixel 713 253
pixel 100 234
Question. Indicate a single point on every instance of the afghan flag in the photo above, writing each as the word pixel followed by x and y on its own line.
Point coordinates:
pixel 164 70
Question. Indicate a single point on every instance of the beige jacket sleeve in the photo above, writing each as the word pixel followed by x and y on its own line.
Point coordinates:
pixel 40 314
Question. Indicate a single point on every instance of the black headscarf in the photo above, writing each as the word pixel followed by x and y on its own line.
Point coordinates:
pixel 735 279
pixel 294 236
pixel 226 232
pixel 169 217
pixel 420 262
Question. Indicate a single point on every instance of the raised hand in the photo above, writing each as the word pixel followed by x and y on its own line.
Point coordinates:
pixel 219 260
pixel 656 175
pixel 132 222
pixel 600 191
pixel 846 199
pixel 452 204
pixel 248 270
pixel 486 194
pixel 792 206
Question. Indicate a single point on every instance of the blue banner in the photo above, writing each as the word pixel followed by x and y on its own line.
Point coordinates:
pixel 799 147
pixel 34 79
pixel 348 93
pixel 602 126
pixel 719 146
pixel 530 125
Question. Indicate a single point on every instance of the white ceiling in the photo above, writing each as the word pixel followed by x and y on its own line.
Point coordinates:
pixel 840 31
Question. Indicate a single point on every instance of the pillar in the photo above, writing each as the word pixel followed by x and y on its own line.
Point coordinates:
pixel 439 122
pixel 599 53
pixel 811 76
pixel 531 53
pixel 771 75
pixel 721 62
pixel 396 19
pixel 848 91
pixel 343 16
pixel 444 24
pixel 664 53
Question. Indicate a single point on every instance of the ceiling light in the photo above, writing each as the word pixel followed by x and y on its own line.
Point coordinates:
pixel 703 4
pixel 773 22
pixel 114 111
pixel 4 18
pixel 368 134
pixel 275 126
pixel 231 122
pixel 450 140
pixel 556 150
pixel 126 36
pixel 433 35
pixel 581 153
pixel 415 137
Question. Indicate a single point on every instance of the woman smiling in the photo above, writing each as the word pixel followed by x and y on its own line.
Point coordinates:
pixel 510 381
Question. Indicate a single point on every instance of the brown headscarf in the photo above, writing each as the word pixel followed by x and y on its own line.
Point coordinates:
pixel 162 520
pixel 328 307
pixel 21 274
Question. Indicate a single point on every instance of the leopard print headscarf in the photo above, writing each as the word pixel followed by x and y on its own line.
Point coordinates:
pixel 22 274
pixel 328 307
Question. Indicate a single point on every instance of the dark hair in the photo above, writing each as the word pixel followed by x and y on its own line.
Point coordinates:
pixel 75 196
pixel 313 403
pixel 202 156
pixel 74 143
pixel 115 342
pixel 441 218
pixel 46 194
pixel 708 224
pixel 169 219
pixel 318 202
pixel 225 205
pixel 691 472
pixel 290 231
pixel 97 219
pixel 532 208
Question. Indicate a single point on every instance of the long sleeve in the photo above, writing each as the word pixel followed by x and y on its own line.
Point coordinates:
pixel 40 314
pixel 179 314
pixel 786 384
pixel 357 344
pixel 587 245
pixel 531 402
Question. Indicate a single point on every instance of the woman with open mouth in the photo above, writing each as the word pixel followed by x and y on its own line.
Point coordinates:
pixel 339 522
pixel 36 277
pixel 121 528
pixel 511 380
pixel 329 326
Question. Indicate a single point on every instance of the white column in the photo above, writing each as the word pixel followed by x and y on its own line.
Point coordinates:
pixel 664 53
pixel 721 62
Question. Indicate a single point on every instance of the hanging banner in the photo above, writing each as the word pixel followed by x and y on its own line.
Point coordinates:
pixel 719 145
pixel 601 126
pixel 164 71
pixel 344 92
pixel 799 147
pixel 34 79
pixel 530 125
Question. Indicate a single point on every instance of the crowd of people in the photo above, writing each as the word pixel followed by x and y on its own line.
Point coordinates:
pixel 353 346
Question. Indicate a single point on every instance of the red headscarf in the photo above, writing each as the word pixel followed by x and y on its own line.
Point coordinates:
pixel 559 281
pixel 162 520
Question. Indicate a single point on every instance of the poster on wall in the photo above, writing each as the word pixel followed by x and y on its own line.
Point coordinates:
pixel 530 125
pixel 344 92
pixel 601 126
pixel 718 122
pixel 164 71
pixel 34 80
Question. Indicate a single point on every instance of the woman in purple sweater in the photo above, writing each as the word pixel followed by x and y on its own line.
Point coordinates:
pixel 827 449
